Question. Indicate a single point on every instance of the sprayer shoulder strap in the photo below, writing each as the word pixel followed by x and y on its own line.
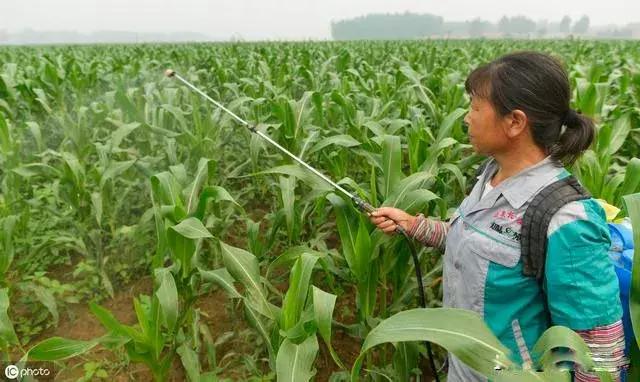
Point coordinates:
pixel 536 219
pixel 538 215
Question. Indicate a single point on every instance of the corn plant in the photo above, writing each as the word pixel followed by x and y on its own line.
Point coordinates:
pixel 168 325
pixel 8 336
pixel 465 334
pixel 289 330
pixel 604 173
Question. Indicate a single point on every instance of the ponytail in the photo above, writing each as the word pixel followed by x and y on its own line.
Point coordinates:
pixel 577 132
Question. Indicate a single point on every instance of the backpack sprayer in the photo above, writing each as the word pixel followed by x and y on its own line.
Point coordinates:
pixel 362 205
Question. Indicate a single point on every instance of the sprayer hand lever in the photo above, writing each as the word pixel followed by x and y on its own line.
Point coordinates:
pixel 368 208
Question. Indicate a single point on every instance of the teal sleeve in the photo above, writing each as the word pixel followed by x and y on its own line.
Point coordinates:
pixel 580 281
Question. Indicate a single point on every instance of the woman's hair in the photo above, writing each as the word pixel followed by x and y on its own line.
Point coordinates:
pixel 538 85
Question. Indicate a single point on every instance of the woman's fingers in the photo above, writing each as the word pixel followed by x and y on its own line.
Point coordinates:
pixel 386 224
pixel 387 219
pixel 378 220
pixel 390 229
pixel 381 221
pixel 389 212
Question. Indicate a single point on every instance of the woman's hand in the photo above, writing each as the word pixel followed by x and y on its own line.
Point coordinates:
pixel 387 218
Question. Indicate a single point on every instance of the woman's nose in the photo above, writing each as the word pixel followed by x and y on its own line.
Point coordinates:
pixel 466 119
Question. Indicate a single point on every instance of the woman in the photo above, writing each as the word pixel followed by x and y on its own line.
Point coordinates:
pixel 520 117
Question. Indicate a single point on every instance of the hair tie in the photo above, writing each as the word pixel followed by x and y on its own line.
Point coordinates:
pixel 572 118
pixel 563 128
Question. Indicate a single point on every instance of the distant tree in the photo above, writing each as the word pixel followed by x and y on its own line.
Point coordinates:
pixel 504 25
pixel 581 26
pixel 387 26
pixel 542 28
pixel 565 25
pixel 478 27
pixel 522 25
pixel 518 25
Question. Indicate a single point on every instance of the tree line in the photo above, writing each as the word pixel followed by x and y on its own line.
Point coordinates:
pixel 412 25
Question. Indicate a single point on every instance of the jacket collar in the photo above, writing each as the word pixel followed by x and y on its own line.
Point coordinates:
pixel 518 188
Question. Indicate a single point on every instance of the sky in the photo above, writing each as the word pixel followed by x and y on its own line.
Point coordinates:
pixel 280 19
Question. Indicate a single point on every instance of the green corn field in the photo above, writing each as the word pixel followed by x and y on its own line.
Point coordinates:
pixel 146 235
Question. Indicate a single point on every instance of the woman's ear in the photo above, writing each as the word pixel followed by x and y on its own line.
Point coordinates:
pixel 516 123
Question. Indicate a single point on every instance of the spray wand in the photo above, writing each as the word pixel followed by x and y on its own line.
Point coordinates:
pixel 361 204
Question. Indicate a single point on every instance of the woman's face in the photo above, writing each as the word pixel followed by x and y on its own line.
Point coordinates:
pixel 485 125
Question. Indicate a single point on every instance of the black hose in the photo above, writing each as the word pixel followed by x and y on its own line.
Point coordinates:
pixel 366 207
pixel 421 300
